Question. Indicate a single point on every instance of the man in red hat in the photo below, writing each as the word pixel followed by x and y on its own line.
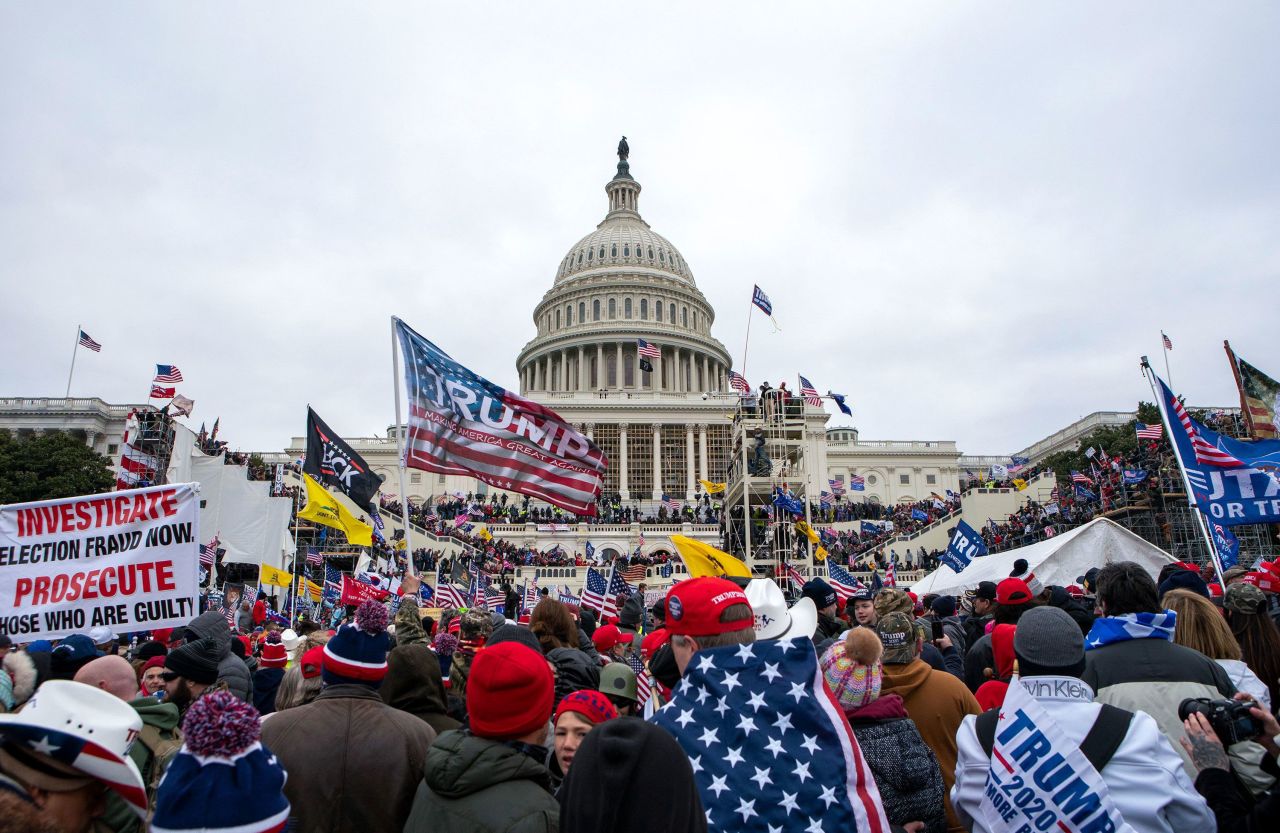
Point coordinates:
pixel 707 612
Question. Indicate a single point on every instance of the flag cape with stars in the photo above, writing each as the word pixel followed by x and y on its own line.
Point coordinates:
pixel 769 746
pixel 461 423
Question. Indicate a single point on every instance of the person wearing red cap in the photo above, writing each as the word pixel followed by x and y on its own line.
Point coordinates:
pixel 1013 598
pixel 611 643
pixel 576 715
pixel 492 776
pixel 707 612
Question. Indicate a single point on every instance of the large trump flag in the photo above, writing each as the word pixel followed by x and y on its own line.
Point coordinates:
pixel 461 423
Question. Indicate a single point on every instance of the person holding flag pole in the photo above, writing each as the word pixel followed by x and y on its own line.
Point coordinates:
pixel 1171 427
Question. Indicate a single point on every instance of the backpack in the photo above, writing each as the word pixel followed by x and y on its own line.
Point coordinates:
pixel 1099 745
pixel 161 751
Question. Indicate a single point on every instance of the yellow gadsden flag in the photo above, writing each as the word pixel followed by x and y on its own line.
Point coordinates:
pixel 270 575
pixel 705 560
pixel 712 488
pixel 807 531
pixel 324 509
pixel 1020 485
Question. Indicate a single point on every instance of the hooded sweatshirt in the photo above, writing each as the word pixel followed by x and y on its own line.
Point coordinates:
pixel 990 694
pixel 413 684
pixel 937 702
pixel 231 669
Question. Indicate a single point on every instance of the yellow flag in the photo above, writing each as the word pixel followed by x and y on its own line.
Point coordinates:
pixel 306 585
pixel 705 560
pixel 807 531
pixel 270 575
pixel 1019 484
pixel 820 553
pixel 324 509
pixel 712 488
pixel 484 534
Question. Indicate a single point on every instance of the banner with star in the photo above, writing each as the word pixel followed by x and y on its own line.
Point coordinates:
pixel 768 744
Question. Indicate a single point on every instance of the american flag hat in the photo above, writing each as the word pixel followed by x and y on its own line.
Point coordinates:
pixel 85 731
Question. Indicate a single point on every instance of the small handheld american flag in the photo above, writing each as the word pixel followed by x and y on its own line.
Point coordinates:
pixel 810 393
pixel 1150 432
pixel 313 557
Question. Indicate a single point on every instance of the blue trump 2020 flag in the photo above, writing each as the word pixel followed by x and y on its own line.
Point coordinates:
pixel 787 502
pixel 966 545
pixel 1233 482
pixel 1227 545
pixel 761 300
pixel 870 528
pixel 769 747
pixel 919 515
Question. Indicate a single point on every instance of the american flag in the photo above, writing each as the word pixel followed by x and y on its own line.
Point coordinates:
pixel 209 553
pixel 643 687
pixel 531 593
pixel 167 373
pixel 857 482
pixel 797 580
pixel 809 393
pixel 842 581
pixel 891 574
pixel 86 341
pixel 594 593
pixel 738 382
pixel 1168 345
pixel 1077 477
pixel 313 556
pixel 1053 493
pixel 567 469
pixel 494 598
pixel 649 351
pixel 1206 452
pixel 332 574
pixel 672 504
pixel 450 595
pixel 635 573
pixel 837 484
pixel 824 500
pixel 764 707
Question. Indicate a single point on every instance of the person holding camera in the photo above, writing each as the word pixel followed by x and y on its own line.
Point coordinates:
pixel 1206 722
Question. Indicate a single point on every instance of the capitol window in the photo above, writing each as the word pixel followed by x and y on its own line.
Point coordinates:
pixel 673 313
pixel 557 319
pixel 626 307
pixel 662 256
pixel 613 251
pixel 657 310
pixel 626 251
pixel 602 251
pixel 871 478
pixel 588 254
pixel 613 307
pixel 582 312
pixel 595 310
pixel 931 479
pixel 644 309
pixel 651 253
pixel 904 479
pixel 568 314
pixel 684 316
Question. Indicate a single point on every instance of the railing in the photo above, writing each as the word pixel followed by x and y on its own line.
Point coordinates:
pixel 905 445
pixel 653 575
pixel 45 405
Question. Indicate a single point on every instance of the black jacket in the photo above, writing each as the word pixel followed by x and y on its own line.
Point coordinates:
pixel 1233 807
pixel 574 670
pixel 1060 598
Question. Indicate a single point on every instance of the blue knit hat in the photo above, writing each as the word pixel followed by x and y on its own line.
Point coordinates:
pixel 223 778
pixel 357 654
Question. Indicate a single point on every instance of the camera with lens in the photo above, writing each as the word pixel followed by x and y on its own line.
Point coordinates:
pixel 1230 719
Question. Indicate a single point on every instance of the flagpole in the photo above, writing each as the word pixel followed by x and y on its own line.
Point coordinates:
pixel 1164 341
pixel 746 341
pixel 74 350
pixel 400 438
pixel 1186 481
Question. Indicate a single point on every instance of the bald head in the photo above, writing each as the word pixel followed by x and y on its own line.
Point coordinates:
pixel 113 675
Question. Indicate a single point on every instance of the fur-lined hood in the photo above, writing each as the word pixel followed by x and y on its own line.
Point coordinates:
pixel 17 681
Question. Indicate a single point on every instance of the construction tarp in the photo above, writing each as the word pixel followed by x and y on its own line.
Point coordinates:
pixel 1058 560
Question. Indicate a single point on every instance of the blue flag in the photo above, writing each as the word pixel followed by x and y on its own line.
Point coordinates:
pixel 869 528
pixel 787 503
pixel 1232 482
pixel 966 545
pixel 1020 461
pixel 591 550
pixel 1083 493
pixel 762 301
pixel 1227 544
pixel 737 709
pixel 919 515
pixel 838 398
pixel 1132 476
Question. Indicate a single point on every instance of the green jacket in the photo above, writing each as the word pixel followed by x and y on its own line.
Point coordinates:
pixel 160 722
pixel 474 784
pixel 409 630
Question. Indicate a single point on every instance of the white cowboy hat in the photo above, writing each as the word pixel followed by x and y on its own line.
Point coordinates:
pixel 82 728
pixel 773 619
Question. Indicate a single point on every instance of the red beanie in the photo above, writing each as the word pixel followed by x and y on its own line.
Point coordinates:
pixel 273 655
pixel 589 703
pixel 312 662
pixel 154 662
pixel 510 692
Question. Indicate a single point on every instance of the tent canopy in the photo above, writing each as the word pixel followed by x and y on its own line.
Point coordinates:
pixel 1058 560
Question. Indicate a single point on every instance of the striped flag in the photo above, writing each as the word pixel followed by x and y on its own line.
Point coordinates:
pixel 1077 477
pixel 313 557
pixel 643 687
pixel 167 373
pixel 738 382
pixel 672 504
pixel 1168 345
pixel 837 484
pixel 450 595
pixel 209 553
pixel 86 341
pixel 842 581
pixel 635 573
pixel 1206 452
pixel 824 500
pixel 891 574
pixel 797 580
pixel 531 592
pixel 810 393
pixel 1150 432
pixel 649 351
pixel 857 482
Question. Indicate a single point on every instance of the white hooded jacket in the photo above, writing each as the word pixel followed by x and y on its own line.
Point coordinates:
pixel 1145 776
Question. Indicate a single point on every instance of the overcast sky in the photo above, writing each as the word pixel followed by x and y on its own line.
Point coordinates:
pixel 972 218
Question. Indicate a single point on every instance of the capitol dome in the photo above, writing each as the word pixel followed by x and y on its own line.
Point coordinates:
pixel 619 284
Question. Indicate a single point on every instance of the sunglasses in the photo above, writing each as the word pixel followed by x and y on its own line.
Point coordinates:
pixel 169 676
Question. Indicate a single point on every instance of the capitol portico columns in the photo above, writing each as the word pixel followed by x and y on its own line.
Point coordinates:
pixel 618 368
pixel 599 365
pixel 657 461
pixel 582 374
pixel 702 452
pixel 688 445
pixel 622 457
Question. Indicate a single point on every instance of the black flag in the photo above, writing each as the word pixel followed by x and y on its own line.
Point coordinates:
pixel 645 365
pixel 334 463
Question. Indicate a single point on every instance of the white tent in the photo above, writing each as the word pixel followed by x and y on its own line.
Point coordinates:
pixel 1057 560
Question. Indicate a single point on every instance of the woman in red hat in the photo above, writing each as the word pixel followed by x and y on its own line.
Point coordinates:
pixel 577 714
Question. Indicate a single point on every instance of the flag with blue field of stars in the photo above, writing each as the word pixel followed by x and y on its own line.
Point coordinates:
pixel 769 746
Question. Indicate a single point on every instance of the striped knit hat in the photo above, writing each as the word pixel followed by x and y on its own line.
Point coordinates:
pixel 852 668
pixel 357 653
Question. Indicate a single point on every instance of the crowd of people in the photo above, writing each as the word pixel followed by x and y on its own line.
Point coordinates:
pixel 1158 693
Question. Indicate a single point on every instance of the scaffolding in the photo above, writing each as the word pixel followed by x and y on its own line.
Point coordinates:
pixel 768 455
pixel 146 450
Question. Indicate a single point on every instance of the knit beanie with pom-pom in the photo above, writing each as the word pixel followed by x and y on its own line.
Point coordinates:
pixel 852 668
pixel 223 778
pixel 357 653
pixel 273 653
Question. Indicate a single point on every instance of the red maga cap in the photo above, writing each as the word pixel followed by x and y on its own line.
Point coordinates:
pixel 1262 580
pixel 694 607
pixel 1013 591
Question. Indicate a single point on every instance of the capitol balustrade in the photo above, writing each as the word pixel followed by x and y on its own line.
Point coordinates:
pixel 575 577
pixel 44 405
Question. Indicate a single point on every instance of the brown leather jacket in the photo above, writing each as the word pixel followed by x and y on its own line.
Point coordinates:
pixel 354 762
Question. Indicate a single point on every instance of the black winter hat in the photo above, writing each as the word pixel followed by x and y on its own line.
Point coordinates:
pixel 823 594
pixel 1185 580
pixel 197 661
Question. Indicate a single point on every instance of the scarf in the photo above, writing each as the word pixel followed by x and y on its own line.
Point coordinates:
pixel 1110 629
